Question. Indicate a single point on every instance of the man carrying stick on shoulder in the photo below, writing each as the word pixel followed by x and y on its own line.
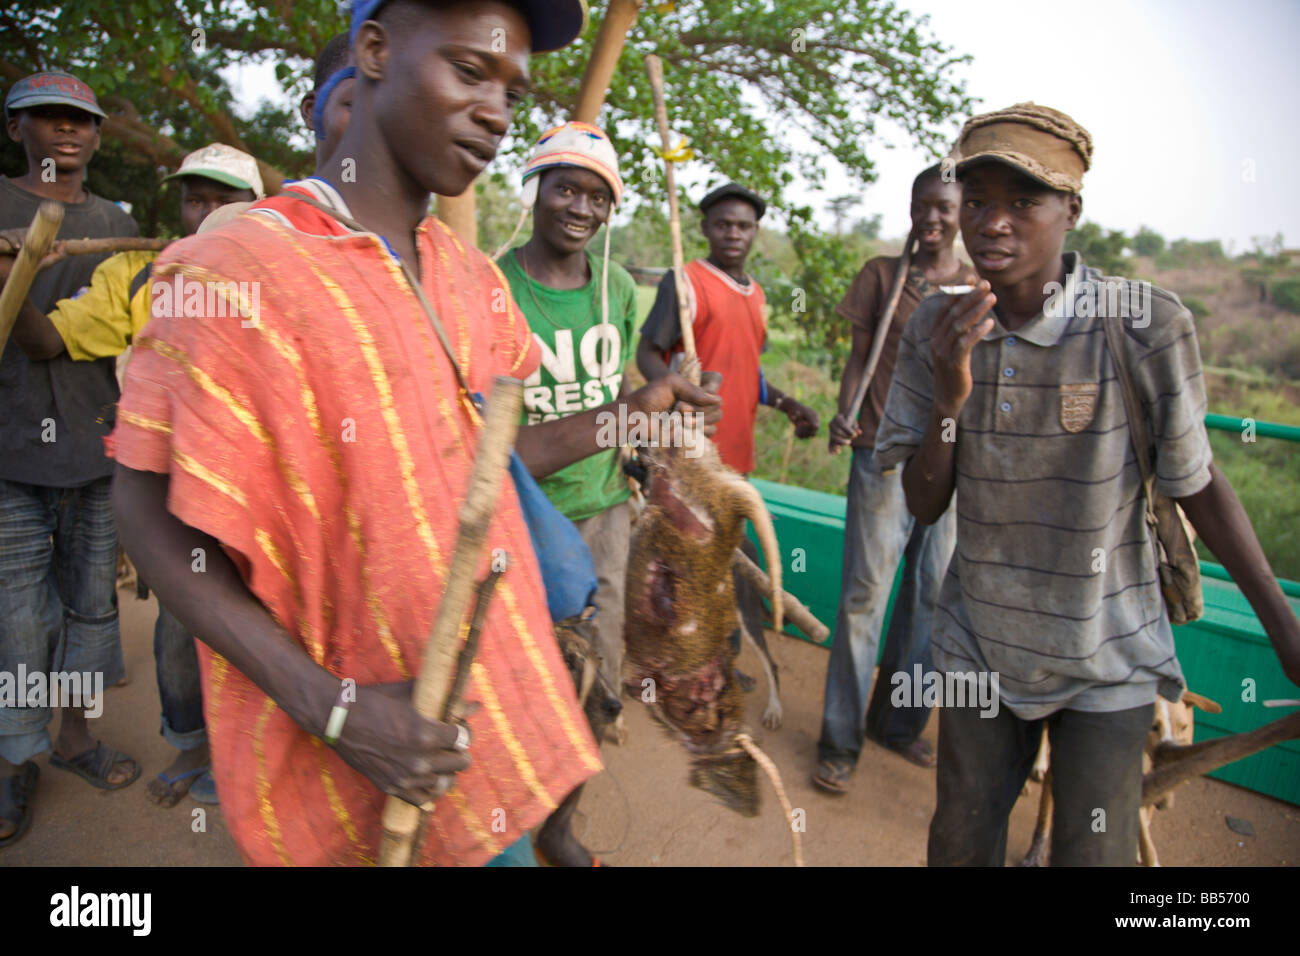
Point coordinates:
pixel 316 458
pixel 102 321
pixel 879 530
pixel 58 549
pixel 1012 398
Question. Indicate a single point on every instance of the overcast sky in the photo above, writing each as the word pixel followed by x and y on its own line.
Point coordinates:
pixel 1192 106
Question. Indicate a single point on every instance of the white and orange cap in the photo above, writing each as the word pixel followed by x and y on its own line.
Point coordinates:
pixel 573 144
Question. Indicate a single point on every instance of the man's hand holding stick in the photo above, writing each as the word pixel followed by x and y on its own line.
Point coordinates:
pixel 844 426
pixel 690 369
pixel 18 279
pixel 433 686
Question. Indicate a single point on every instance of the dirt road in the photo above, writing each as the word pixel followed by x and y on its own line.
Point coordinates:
pixel 640 811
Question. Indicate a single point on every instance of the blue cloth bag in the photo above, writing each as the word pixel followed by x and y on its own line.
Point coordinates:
pixel 567 569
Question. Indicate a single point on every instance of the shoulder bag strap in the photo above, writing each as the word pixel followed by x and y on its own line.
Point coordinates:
pixel 411 278
pixel 1137 423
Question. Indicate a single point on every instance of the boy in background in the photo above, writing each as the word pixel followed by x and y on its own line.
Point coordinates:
pixel 100 322
pixel 58 546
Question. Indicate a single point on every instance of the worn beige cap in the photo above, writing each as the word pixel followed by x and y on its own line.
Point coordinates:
pixel 225 164
pixel 1042 142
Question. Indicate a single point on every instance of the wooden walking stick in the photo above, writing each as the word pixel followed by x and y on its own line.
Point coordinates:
pixel 690 363
pixel 882 333
pixel 40 236
pixel 82 247
pixel 432 686
pixel 792 609
pixel 605 51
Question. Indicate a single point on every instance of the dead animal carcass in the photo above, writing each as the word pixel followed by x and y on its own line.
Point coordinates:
pixel 681 609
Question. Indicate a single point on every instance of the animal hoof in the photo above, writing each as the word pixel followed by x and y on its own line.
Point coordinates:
pixel 772 716
pixel 617 732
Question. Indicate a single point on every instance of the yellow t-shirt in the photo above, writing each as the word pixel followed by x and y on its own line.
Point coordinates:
pixel 103 318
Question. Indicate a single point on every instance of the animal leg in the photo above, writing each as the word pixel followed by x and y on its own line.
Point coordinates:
pixel 1146 849
pixel 1039 773
pixel 773 713
pixel 1040 847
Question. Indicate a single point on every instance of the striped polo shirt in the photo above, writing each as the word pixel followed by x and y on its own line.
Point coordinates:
pixel 1053 583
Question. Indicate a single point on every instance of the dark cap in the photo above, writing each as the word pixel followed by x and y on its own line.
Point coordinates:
pixel 733 191
pixel 52 89
pixel 553 23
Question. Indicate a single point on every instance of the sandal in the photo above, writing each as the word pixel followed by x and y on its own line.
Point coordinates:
pixel 95 765
pixel 16 800
pixel 918 752
pixel 174 787
pixel 832 777
pixel 204 789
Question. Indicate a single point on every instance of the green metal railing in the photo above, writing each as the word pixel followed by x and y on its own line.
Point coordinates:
pixel 1227 423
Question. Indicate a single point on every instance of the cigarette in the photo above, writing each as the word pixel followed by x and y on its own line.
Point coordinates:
pixel 956 289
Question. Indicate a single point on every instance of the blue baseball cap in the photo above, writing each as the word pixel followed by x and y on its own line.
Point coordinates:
pixel 55 88
pixel 553 23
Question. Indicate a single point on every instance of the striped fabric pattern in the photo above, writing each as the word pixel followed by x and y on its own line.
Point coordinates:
pixel 328 450
pixel 1053 584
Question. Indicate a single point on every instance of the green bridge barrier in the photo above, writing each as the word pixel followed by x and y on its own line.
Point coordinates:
pixel 1225 655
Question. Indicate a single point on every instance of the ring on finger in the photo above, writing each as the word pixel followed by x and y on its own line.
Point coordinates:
pixel 462 738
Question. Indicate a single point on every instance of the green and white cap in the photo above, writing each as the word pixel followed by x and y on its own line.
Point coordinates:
pixel 225 164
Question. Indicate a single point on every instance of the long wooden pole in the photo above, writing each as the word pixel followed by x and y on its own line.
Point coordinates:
pixel 461 214
pixel 401 819
pixel 82 247
pixel 882 330
pixel 690 363
pixel 794 610
pixel 610 39
pixel 40 236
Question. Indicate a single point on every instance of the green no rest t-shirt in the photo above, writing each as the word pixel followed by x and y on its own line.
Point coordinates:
pixel 582 368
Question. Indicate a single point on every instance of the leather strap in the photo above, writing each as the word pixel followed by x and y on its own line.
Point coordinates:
pixel 1137 424
pixel 412 280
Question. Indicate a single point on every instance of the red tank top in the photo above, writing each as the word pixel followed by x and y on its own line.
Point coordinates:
pixel 730 323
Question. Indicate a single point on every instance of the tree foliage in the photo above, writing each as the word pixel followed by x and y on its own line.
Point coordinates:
pixel 1148 242
pixel 764 90
pixel 1103 249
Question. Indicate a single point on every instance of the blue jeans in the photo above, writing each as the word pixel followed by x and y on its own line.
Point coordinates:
pixel 878 529
pixel 58 596
pixel 179 686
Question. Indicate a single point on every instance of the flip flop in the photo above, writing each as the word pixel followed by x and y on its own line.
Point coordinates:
pixel 171 794
pixel 832 777
pixel 16 800
pixel 918 752
pixel 204 790
pixel 94 766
